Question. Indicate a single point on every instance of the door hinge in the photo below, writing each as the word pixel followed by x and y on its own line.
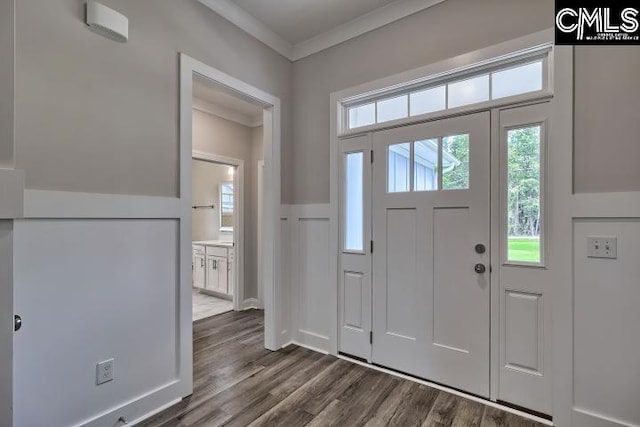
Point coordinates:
pixel 372 156
pixel 370 337
pixel 371 246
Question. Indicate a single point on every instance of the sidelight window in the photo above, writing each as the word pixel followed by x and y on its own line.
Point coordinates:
pixel 523 194
pixel 354 201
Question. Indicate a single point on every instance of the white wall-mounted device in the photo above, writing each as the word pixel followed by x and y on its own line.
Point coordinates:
pixel 107 22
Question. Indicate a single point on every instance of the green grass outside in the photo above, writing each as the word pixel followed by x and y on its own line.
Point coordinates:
pixel 525 249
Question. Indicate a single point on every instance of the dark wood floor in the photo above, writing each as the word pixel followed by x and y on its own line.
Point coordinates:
pixel 239 383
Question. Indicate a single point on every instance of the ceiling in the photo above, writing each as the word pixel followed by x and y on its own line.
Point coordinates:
pixel 299 28
pixel 300 20
pixel 223 102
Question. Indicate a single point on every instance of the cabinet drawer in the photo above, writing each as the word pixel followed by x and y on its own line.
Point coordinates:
pixel 216 251
pixel 198 250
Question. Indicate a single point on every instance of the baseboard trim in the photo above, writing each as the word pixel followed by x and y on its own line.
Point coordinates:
pixel 250 303
pixel 154 412
pixel 450 390
pixel 308 347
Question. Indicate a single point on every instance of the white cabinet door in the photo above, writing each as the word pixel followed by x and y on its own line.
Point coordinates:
pixel 212 274
pixel 198 270
pixel 222 274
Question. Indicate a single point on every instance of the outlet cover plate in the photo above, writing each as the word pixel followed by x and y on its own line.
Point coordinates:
pixel 104 372
pixel 602 247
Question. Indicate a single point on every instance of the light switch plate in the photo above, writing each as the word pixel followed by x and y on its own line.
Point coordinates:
pixel 602 247
pixel 104 372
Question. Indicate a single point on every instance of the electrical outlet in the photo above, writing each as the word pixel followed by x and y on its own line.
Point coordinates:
pixel 104 372
pixel 602 247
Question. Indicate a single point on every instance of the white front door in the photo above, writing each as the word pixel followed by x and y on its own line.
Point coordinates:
pixel 431 213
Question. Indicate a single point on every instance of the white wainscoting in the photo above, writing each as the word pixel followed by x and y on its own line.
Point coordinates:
pixel 606 293
pixel 313 277
pixel 91 290
pixel 96 277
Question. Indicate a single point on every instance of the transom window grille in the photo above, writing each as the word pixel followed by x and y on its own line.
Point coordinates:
pixel 518 77
pixel 437 164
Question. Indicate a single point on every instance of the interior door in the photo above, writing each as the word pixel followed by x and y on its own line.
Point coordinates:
pixel 431 232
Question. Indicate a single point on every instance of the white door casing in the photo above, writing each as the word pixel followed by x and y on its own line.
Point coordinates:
pixel 354 297
pixel 431 310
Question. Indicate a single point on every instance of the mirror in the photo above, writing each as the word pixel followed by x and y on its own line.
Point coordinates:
pixel 226 206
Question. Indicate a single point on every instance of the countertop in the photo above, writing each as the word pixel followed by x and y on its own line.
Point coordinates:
pixel 225 244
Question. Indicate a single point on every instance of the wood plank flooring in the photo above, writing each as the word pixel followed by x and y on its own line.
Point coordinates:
pixel 239 383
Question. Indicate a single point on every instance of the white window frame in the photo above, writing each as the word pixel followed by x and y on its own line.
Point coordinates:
pixel 543 52
pixel 343 219
pixel 529 120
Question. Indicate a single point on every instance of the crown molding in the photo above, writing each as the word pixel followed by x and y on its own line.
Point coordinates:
pixel 237 16
pixel 340 34
pixel 223 113
pixel 361 25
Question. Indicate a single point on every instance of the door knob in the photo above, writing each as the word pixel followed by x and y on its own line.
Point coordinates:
pixel 480 268
pixel 17 323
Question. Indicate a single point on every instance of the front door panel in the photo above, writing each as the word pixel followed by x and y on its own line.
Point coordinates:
pixel 430 198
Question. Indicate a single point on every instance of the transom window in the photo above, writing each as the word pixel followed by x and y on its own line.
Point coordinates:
pixel 487 83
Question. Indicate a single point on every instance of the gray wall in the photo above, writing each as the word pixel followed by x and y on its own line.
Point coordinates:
pixel 443 31
pixel 93 115
pixel 6 82
pixel 607 119
pixel 205 190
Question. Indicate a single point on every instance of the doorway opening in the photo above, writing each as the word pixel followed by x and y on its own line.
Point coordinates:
pixel 216 223
pixel 227 136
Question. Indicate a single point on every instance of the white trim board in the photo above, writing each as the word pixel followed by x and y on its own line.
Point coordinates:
pixel 250 303
pixel 361 25
pixel 69 204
